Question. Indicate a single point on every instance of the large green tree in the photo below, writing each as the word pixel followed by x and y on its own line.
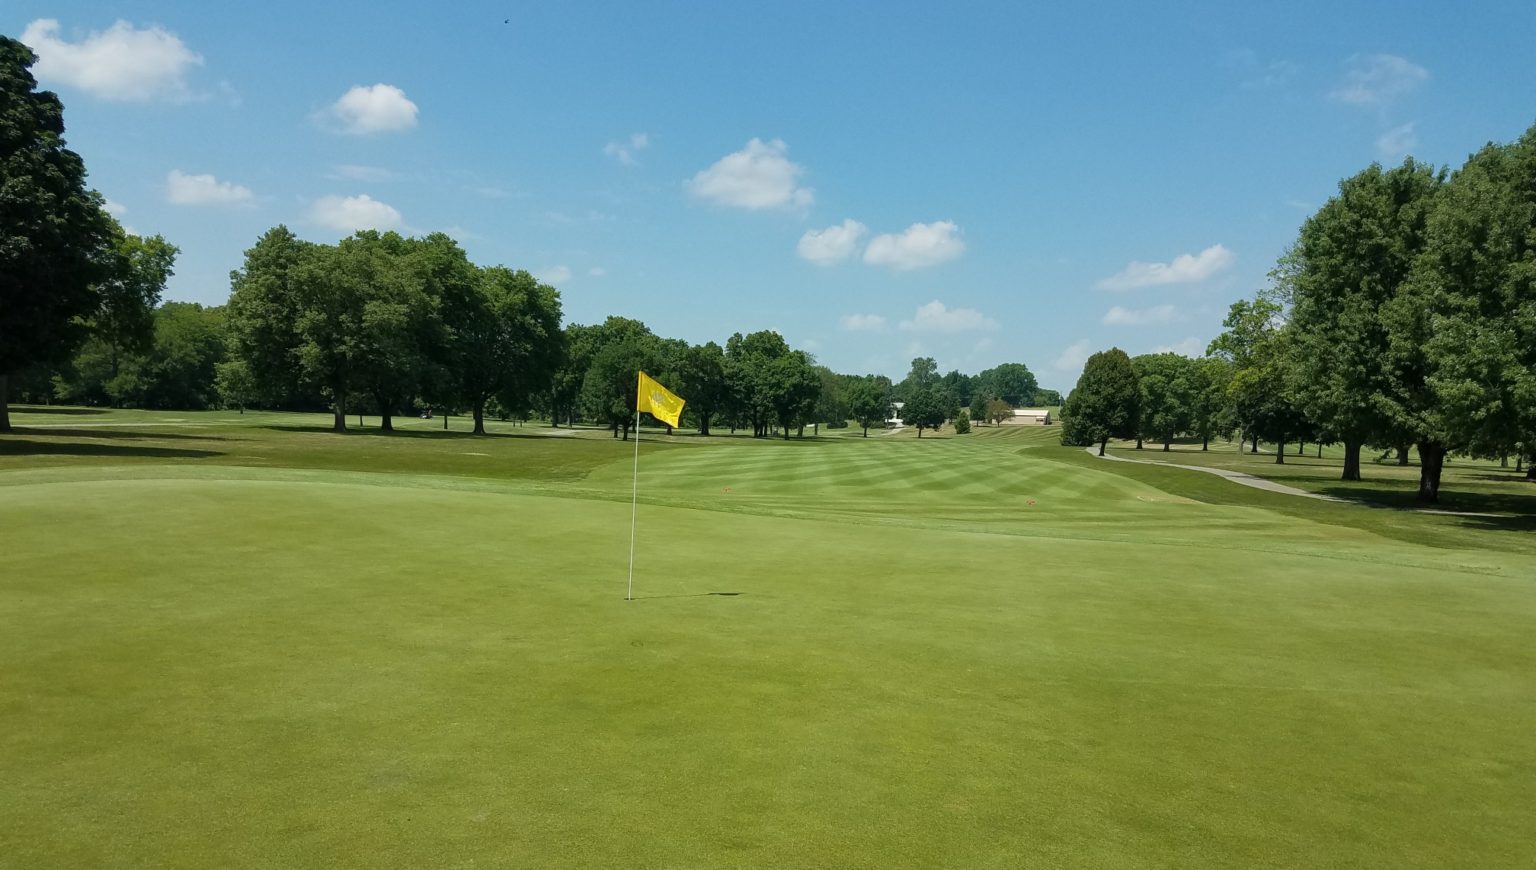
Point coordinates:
pixel 1169 391
pixel 1351 259
pixel 55 239
pixel 266 302
pixel 505 341
pixel 925 409
pixel 869 401
pixel 1014 383
pixel 1106 403
pixel 702 382
pixel 1479 275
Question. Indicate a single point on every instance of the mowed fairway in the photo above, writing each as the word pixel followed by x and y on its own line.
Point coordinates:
pixel 249 643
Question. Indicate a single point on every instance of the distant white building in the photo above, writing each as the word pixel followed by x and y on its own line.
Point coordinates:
pixel 1030 417
pixel 896 414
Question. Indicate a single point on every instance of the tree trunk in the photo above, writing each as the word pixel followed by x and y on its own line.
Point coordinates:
pixel 816 430
pixel 1205 444
pixel 1301 447
pixel 1102 443
pixel 866 431
pixel 1351 460
pixel 1319 450
pixel 5 407
pixel 800 433
pixel 1166 442
pixel 1431 460
pixel 1138 442
pixel 479 417
pixel 1255 444
pixel 341 415
pixel 919 431
pixel 386 418
pixel 1530 473
pixel 1504 461
pixel 1402 455
pixel 1280 452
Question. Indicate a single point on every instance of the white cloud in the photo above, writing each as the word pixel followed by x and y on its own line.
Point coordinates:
pixel 1072 357
pixel 114 208
pixel 918 246
pixel 184 189
pixel 1191 347
pixel 1376 79
pixel 352 172
pixel 756 177
pixel 1157 314
pixel 831 245
pixel 624 152
pixel 934 317
pixel 597 271
pixel 1397 143
pixel 862 323
pixel 1185 269
pixel 555 275
pixel 349 214
pixel 378 108
pixel 121 63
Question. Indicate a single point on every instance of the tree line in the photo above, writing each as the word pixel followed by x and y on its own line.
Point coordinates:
pixel 377 323
pixel 1403 317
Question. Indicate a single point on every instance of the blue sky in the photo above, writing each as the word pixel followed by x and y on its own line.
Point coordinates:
pixel 980 184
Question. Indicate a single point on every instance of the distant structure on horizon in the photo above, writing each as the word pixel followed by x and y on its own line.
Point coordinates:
pixel 1029 417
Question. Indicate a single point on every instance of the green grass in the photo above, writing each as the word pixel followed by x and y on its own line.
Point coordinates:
pixel 275 646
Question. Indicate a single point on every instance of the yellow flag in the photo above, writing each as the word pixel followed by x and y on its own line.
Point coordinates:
pixel 658 400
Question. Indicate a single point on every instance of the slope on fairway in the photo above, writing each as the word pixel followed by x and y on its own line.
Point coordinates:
pixel 248 667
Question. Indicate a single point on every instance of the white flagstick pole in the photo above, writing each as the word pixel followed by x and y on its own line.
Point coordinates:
pixel 634 506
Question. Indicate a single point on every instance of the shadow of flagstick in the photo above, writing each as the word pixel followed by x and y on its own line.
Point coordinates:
pixel 686 595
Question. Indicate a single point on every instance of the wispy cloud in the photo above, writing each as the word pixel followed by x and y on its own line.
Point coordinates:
pixel 555 275
pixel 1154 316
pixel 1183 269
pixel 1072 357
pixel 862 323
pixel 625 151
pixel 1397 143
pixel 935 317
pixel 1378 79
pixel 1191 347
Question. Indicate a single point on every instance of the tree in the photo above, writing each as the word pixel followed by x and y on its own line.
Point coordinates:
pixel 1477 273
pixel 925 409
pixel 180 369
pixel 1167 396
pixel 1106 402
pixel 506 341
pixel 869 402
pixel 962 424
pixel 266 302
pixel 1351 258
pixel 1014 383
pixel 923 375
pixel 702 382
pixel 1208 413
pixel 978 406
pixel 1258 397
pixel 54 235
pixel 125 318
pixel 235 385
pixel 998 411
pixel 608 394
pixel 831 400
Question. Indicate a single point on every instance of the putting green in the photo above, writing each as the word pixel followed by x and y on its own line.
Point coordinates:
pixel 206 664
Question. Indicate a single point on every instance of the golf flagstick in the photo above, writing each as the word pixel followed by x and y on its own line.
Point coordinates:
pixel 634 506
